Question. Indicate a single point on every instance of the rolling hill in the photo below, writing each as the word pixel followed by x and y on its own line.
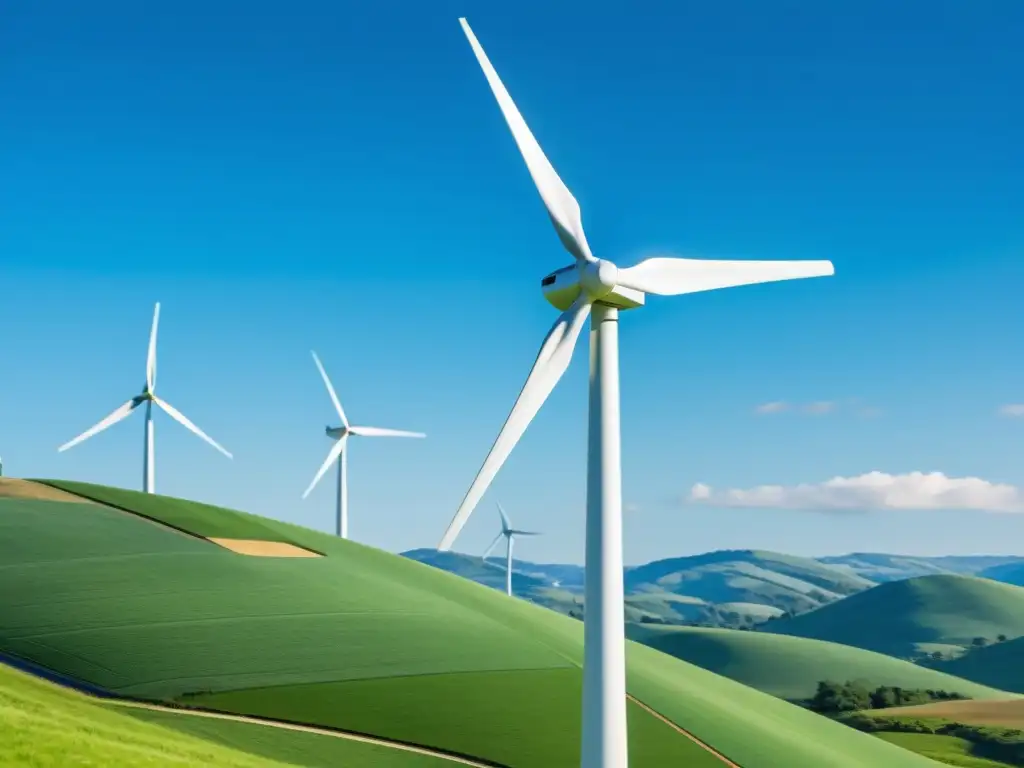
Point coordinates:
pixel 901 618
pixel 1002 662
pixel 728 588
pixel 350 638
pixel 791 667
pixel 879 567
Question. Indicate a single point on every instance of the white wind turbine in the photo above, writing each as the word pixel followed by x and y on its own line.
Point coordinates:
pixel 593 285
pixel 510 534
pixel 148 396
pixel 338 453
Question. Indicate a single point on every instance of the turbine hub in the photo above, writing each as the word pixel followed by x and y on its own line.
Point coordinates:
pixel 336 432
pixel 598 278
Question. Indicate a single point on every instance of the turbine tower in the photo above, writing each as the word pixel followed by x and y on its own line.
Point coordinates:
pixel 510 534
pixel 147 396
pixel 598 289
pixel 338 453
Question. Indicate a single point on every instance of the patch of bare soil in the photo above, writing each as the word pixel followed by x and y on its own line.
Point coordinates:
pixel 257 548
pixel 1005 712
pixel 14 488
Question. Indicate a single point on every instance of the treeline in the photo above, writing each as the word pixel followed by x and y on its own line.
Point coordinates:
pixel 833 698
pixel 992 742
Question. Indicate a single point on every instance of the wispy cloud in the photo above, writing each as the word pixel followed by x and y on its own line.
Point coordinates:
pixel 872 491
pixel 776 406
pixel 817 408
pixel 1012 410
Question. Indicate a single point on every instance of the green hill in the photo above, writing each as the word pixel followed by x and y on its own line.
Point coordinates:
pixel 358 640
pixel 791 667
pixel 900 617
pixel 42 724
pixel 1001 664
pixel 880 567
pixel 748 576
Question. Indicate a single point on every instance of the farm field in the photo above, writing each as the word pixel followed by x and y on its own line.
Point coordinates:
pixel 358 639
pixel 791 667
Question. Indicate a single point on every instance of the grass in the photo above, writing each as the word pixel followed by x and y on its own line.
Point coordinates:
pixel 429 655
pixel 1004 714
pixel 791 667
pixel 191 516
pixel 45 726
pixel 947 749
pixel 896 617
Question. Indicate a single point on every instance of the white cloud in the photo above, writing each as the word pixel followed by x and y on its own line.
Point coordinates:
pixel 819 408
pixel 776 406
pixel 1012 410
pixel 874 490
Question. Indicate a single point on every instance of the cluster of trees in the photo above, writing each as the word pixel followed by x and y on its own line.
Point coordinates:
pixel 833 698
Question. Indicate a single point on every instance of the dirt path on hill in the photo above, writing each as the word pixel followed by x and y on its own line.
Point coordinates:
pixel 106 698
pixel 704 745
pixel 303 728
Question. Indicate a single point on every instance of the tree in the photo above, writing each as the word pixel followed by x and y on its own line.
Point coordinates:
pixel 1001 639
pixel 979 642
pixel 937 656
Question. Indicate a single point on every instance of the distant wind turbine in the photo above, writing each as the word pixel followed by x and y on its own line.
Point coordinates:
pixel 510 534
pixel 148 396
pixel 338 453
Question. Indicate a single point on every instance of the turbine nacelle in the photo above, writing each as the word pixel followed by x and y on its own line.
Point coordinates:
pixel 598 278
pixel 336 433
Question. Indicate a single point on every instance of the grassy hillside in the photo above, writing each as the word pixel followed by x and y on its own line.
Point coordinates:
pixel 880 567
pixel 897 617
pixel 1002 663
pixel 359 639
pixel 791 667
pixel 45 726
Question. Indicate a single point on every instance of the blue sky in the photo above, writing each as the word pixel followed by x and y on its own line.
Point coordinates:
pixel 288 176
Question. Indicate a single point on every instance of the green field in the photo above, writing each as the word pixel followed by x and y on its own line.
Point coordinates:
pixel 360 639
pixel 897 617
pixel 948 749
pixel 791 667
pixel 44 726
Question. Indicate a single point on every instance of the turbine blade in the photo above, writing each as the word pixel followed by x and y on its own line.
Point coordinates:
pixel 121 413
pixel 381 432
pixel 492 546
pixel 330 390
pixel 151 358
pixel 506 526
pixel 671 277
pixel 562 206
pixel 525 533
pixel 552 362
pixel 332 457
pixel 179 417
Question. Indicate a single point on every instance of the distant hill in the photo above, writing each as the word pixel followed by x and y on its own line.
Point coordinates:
pixel 1001 663
pixel 900 617
pixel 791 667
pixel 879 567
pixel 1008 573
pixel 789 583
pixel 728 588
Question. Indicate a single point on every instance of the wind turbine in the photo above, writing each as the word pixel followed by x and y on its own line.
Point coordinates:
pixel 597 288
pixel 510 534
pixel 148 396
pixel 338 453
